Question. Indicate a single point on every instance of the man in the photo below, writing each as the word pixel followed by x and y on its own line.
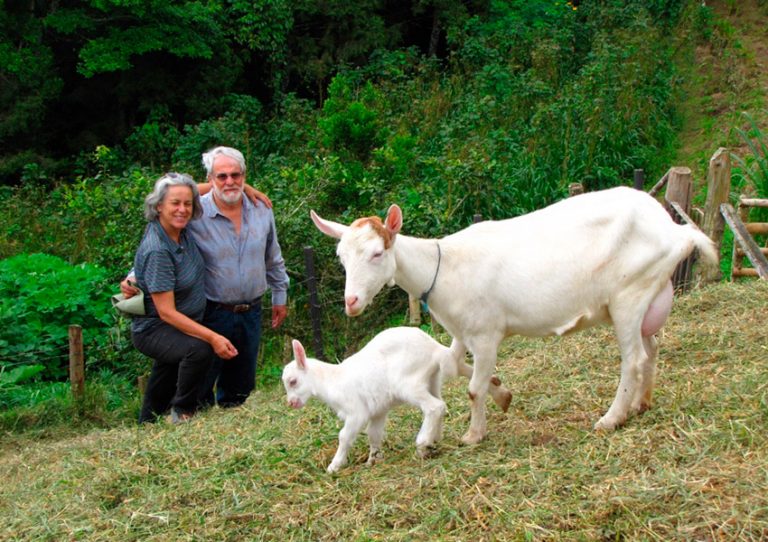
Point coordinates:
pixel 238 241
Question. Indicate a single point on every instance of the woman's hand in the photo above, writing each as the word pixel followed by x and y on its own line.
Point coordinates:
pixel 165 303
pixel 128 288
pixel 223 348
pixel 255 196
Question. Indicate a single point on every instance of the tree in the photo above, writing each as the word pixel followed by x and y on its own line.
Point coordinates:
pixel 28 86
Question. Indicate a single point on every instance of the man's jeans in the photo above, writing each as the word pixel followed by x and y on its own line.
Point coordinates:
pixel 234 378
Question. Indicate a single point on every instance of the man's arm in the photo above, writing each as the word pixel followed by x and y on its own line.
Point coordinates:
pixel 277 277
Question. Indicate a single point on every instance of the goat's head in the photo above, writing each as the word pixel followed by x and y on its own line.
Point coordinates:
pixel 296 377
pixel 366 250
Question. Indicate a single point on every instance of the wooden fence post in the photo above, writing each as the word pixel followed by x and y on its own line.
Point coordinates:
pixel 314 303
pixel 76 362
pixel 639 179
pixel 718 191
pixel 414 311
pixel 679 189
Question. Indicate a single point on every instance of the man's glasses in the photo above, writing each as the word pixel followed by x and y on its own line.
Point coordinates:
pixel 236 176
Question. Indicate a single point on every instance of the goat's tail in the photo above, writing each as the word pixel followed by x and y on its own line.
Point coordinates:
pixel 706 247
pixel 436 379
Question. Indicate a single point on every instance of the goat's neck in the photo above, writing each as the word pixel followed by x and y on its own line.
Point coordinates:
pixel 417 261
pixel 325 383
pixel 325 377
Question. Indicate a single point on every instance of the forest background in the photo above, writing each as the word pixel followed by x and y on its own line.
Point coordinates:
pixel 450 109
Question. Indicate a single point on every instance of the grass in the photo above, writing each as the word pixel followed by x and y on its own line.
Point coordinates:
pixel 694 467
pixel 724 77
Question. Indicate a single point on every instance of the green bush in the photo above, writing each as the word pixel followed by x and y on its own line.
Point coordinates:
pixel 96 219
pixel 40 297
pixel 350 124
pixel 241 126
pixel 154 142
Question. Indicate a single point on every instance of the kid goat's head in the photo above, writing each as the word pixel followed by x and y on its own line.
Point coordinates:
pixel 296 378
pixel 366 252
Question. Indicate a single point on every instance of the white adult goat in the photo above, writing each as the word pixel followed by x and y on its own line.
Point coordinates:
pixel 600 257
pixel 399 365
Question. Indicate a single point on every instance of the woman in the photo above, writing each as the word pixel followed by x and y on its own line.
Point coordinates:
pixel 169 269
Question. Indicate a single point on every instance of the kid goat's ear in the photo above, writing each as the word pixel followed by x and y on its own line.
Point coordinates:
pixel 299 354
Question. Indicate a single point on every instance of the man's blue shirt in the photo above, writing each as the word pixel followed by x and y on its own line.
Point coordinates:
pixel 240 268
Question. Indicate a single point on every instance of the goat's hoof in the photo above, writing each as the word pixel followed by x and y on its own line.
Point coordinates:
pixel 425 452
pixel 639 409
pixel 375 457
pixel 472 437
pixel 503 400
pixel 606 424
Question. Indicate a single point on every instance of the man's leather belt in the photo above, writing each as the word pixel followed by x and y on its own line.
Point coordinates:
pixel 240 307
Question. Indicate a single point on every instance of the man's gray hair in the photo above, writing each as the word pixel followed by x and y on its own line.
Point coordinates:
pixel 162 185
pixel 210 156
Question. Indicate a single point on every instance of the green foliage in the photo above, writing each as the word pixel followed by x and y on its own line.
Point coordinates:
pixel 240 126
pixel 49 406
pixel 184 29
pixel 349 123
pixel 96 219
pixel 154 142
pixel 40 297
pixel 262 25
pixel 29 87
pixel 704 21
pixel 751 173
pixel 754 166
pixel 18 375
pixel 328 35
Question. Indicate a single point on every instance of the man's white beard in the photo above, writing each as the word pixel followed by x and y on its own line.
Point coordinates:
pixel 229 198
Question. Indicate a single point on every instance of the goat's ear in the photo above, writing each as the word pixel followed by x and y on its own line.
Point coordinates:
pixel 394 220
pixel 299 354
pixel 329 228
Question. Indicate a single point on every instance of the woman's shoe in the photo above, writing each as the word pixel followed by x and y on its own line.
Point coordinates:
pixel 178 417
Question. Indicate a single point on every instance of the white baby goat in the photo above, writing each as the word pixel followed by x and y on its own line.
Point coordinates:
pixel 601 257
pixel 399 365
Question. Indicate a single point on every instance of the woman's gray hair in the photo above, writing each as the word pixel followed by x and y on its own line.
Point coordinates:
pixel 210 156
pixel 162 185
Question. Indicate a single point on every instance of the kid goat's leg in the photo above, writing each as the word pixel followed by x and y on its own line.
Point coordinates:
pixel 375 438
pixel 347 436
pixel 433 410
